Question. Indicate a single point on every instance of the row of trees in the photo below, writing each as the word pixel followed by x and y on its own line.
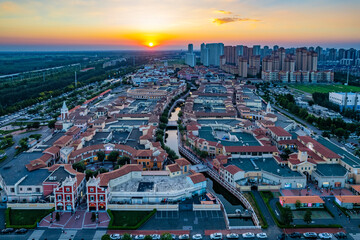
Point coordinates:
pixel 335 126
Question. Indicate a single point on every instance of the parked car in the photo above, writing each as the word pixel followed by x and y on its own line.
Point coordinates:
pixel 232 236
pixel 155 236
pixel 340 235
pixel 325 236
pixel 7 230
pixel 295 235
pixel 248 235
pixel 281 236
pixel 197 236
pixel 184 237
pixel 139 237
pixel 173 236
pixel 115 236
pixel 21 231
pixel 310 235
pixel 261 235
pixel 216 236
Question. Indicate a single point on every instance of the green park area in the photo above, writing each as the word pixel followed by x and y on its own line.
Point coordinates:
pixel 25 218
pixel 129 219
pixel 324 88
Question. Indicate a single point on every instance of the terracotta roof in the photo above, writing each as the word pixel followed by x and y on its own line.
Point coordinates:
pixel 182 162
pixel 52 150
pixel 63 140
pixel 251 149
pixel 35 164
pixel 197 178
pixel 319 147
pixel 279 131
pixel 232 169
pixel 356 188
pixel 106 177
pixel 349 199
pixel 302 199
pixel 173 168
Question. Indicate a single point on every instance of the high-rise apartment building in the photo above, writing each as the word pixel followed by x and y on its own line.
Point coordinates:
pixel 211 52
pixel 190 58
pixel 230 55
pixel 243 66
pixel 256 50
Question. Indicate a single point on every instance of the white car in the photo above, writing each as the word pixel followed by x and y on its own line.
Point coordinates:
pixel 115 236
pixel 155 236
pixel 232 236
pixel 216 236
pixel 248 235
pixel 197 237
pixel 261 235
pixel 325 236
pixel 139 237
pixel 184 237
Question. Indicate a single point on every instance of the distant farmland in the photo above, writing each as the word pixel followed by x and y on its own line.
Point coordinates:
pixel 311 88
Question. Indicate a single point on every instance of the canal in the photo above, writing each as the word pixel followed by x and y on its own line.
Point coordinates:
pixel 172 135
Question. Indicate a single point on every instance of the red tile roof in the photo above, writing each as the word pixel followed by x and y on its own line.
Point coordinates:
pixel 319 147
pixel 251 149
pixel 173 168
pixel 106 177
pixel 302 199
pixel 279 131
pixel 182 162
pixel 232 169
pixel 197 178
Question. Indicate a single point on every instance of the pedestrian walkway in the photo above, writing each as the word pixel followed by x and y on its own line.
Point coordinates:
pixel 78 220
pixel 36 235
pixel 68 234
pixel 99 234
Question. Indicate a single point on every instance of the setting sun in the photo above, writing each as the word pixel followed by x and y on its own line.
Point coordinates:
pixel 151 44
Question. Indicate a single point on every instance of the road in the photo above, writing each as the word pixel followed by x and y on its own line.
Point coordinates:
pixel 10 152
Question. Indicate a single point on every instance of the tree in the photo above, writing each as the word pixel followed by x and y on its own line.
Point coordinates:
pixel 100 156
pixel 51 124
pixel 307 216
pixel 126 237
pixel 105 237
pixel 287 216
pixel 57 216
pixel 93 216
pixel 89 174
pixel 123 160
pixel 113 156
pixel 148 237
pixel 36 125
pixel 297 204
pixel 79 166
pixel 166 236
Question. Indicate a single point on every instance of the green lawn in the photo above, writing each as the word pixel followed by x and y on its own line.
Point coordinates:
pixel 128 218
pixel 316 214
pixel 325 88
pixel 26 217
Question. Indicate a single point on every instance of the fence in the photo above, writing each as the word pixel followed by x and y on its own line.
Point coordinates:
pixel 206 207
pixel 144 207
pixel 31 205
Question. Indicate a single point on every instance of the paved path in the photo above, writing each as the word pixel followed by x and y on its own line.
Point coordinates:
pixel 99 234
pixel 36 234
pixel 273 231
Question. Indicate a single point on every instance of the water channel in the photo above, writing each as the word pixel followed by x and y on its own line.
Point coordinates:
pixel 172 136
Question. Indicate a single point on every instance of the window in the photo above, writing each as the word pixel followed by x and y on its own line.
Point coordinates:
pixel 29 188
pixel 59 197
pixel 91 189
pixel 21 189
pixel 92 198
pixel 12 189
pixel 67 198
pixel 67 189
pixel 37 189
pixel 101 198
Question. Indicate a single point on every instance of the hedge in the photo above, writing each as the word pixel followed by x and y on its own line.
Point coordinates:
pixel 144 220
pixel 342 209
pixel 34 225
pixel 265 225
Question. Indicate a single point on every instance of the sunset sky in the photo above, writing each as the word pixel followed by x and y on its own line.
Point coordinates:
pixel 133 24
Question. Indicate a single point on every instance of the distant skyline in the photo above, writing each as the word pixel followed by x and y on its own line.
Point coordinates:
pixel 34 25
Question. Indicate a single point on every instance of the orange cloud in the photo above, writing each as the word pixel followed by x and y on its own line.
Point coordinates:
pixel 223 12
pixel 224 20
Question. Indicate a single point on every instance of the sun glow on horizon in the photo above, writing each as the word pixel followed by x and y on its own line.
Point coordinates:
pixel 150 44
